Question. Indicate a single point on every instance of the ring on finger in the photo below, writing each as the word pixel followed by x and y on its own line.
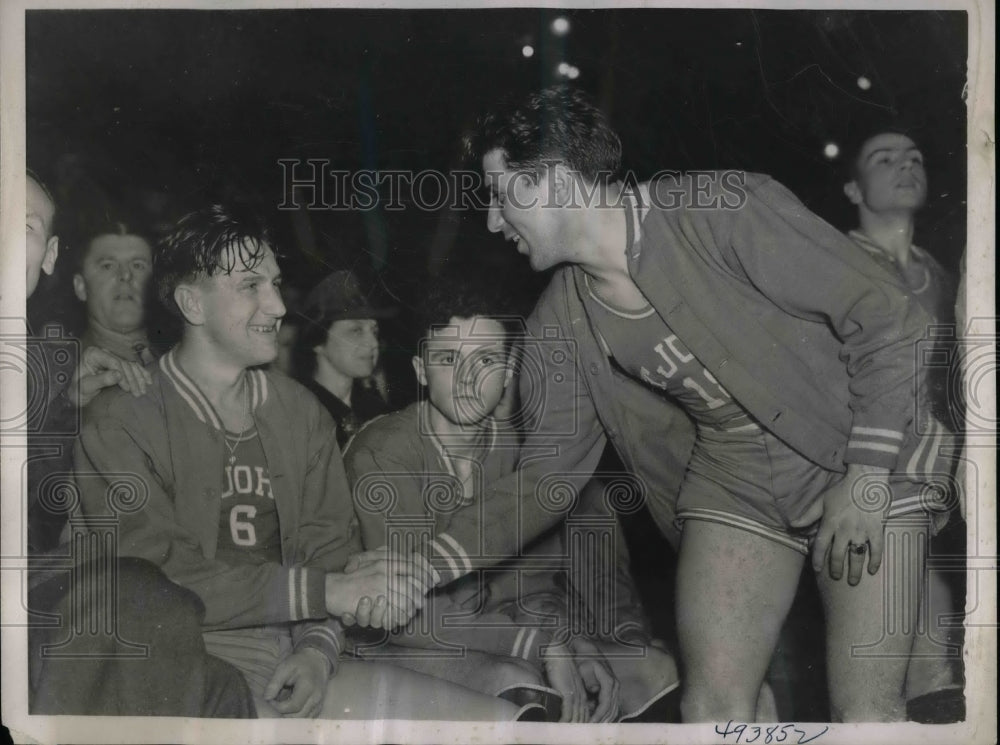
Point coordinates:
pixel 858 548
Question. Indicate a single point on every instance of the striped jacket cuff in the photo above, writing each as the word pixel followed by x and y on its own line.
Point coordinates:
pixel 325 637
pixel 528 643
pixel 306 593
pixel 874 446
pixel 448 557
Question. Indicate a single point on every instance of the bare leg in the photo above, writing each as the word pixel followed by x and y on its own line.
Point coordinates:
pixel 734 590
pixel 870 629
pixel 932 667
pixel 373 690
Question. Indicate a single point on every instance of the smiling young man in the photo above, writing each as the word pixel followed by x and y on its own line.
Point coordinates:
pixel 751 369
pixel 245 501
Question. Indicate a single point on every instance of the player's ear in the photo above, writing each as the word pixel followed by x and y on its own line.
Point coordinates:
pixel 188 299
pixel 563 183
pixel 51 254
pixel 419 369
pixel 79 287
pixel 853 192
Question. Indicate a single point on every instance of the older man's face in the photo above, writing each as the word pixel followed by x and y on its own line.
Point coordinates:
pixel 113 280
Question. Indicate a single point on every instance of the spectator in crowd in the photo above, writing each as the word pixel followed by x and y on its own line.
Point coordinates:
pixel 338 351
pixel 113 269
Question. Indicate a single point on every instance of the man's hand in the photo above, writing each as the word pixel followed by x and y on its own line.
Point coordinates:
pixel 305 673
pixel 401 592
pixel 599 680
pixel 421 568
pixel 100 369
pixel 852 525
pixel 371 611
pixel 562 674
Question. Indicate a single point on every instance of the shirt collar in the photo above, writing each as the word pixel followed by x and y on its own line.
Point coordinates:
pixel 189 391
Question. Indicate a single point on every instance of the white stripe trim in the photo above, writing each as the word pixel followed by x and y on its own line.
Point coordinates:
pixel 459 551
pixel 291 594
pixel 323 632
pixel 259 381
pixel 164 360
pixel 303 592
pixel 935 448
pixel 254 386
pixel 526 650
pixel 914 464
pixel 742 428
pixel 876 432
pixel 452 566
pixel 629 315
pixel 881 447
pixel 195 398
pixel 751 526
pixel 516 649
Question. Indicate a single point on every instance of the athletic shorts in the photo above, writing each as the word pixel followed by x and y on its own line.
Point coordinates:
pixel 749 479
pixel 255 652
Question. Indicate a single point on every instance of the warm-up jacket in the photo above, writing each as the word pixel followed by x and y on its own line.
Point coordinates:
pixel 169 444
pixel 399 471
pixel 802 329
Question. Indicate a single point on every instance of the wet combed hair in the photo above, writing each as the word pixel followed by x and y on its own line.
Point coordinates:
pixel 197 246
pixel 453 296
pixel 558 123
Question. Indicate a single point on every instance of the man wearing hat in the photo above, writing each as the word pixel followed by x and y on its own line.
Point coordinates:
pixel 338 349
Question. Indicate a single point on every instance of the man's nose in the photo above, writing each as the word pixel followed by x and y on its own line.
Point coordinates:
pixel 274 305
pixel 494 218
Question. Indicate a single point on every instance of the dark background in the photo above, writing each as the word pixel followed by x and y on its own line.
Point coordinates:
pixel 167 108
pixel 163 110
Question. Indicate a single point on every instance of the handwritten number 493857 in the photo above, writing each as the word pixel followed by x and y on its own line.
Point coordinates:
pixel 767 735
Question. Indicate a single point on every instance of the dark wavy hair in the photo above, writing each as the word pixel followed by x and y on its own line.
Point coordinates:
pixel 197 246
pixel 559 123
pixel 455 295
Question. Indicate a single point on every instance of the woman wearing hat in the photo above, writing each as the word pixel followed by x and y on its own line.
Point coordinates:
pixel 337 351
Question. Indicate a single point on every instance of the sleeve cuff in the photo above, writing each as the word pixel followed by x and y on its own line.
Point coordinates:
pixel 529 642
pixel 874 446
pixel 306 593
pixel 448 558
pixel 326 638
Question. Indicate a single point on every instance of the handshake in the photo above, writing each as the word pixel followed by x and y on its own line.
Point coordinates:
pixel 380 589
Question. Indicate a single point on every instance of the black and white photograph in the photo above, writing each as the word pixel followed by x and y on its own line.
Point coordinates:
pixel 580 372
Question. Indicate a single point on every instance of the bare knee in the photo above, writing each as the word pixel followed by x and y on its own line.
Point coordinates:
pixel 867 708
pixel 711 703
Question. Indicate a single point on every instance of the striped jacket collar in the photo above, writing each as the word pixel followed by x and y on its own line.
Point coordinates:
pixel 188 390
